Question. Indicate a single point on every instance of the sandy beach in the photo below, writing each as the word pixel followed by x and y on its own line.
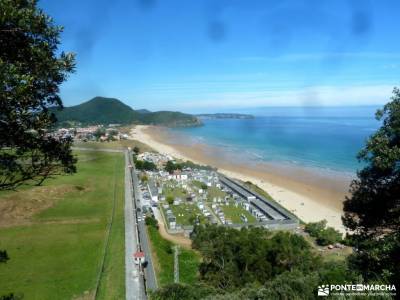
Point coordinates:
pixel 312 198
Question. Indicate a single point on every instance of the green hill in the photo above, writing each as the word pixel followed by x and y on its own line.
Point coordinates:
pixel 100 110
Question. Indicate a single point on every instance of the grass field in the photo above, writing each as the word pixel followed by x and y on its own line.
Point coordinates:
pixel 214 192
pixel 163 254
pixel 55 234
pixel 233 213
pixel 175 192
pixel 335 254
pixel 257 189
pixel 118 145
pixel 186 213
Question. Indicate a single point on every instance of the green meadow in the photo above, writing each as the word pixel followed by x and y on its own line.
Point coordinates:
pixel 232 212
pixel 56 234
pixel 163 258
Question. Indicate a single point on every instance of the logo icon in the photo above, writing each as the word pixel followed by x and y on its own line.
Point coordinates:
pixel 323 290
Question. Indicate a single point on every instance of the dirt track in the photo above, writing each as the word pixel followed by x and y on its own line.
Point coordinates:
pixel 174 238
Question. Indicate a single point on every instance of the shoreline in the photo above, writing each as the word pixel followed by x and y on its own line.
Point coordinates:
pixel 311 199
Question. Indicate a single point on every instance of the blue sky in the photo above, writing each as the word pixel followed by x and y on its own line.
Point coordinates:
pixel 218 55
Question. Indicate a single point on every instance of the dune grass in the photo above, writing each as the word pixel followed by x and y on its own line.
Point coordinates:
pixel 57 252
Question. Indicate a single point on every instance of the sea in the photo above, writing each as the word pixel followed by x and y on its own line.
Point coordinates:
pixel 325 139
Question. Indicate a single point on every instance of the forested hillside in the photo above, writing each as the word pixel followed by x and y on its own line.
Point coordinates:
pixel 100 110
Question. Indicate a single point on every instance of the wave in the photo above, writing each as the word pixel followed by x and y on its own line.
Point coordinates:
pixel 305 142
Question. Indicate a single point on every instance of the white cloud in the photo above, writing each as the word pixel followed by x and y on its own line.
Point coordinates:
pixel 309 96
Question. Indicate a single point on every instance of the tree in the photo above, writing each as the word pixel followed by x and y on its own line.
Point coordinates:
pixel 101 131
pixel 136 150
pixel 31 71
pixel 203 186
pixel 113 132
pixel 170 199
pixel 139 164
pixel 151 221
pixel 170 167
pixel 288 285
pixel 192 219
pixel 234 258
pixel 149 166
pixel 372 212
pixel 336 271
pixel 145 165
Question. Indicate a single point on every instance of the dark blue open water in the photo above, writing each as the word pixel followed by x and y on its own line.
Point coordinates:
pixel 317 137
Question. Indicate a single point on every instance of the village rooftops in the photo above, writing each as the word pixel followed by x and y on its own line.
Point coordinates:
pixel 138 254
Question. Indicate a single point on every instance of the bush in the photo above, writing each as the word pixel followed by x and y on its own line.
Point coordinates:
pixel 315 228
pixel 10 297
pixel 204 186
pixel 329 236
pixel 170 200
pixel 151 221
pixel 323 235
pixel 3 256
pixel 144 178
pixel 178 291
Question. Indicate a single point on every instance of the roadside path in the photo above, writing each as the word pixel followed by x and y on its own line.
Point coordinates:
pixel 150 276
pixel 177 239
pixel 133 277
pixel 212 212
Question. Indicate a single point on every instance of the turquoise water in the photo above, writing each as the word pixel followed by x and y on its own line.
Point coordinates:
pixel 318 137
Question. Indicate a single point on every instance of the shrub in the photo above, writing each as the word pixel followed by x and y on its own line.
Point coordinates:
pixel 323 235
pixel 170 200
pixel 151 221
pixel 3 256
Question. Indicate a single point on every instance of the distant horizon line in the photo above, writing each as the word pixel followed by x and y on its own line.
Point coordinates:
pixel 235 109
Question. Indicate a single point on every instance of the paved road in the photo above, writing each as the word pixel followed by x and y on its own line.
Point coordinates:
pixel 134 285
pixel 150 276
